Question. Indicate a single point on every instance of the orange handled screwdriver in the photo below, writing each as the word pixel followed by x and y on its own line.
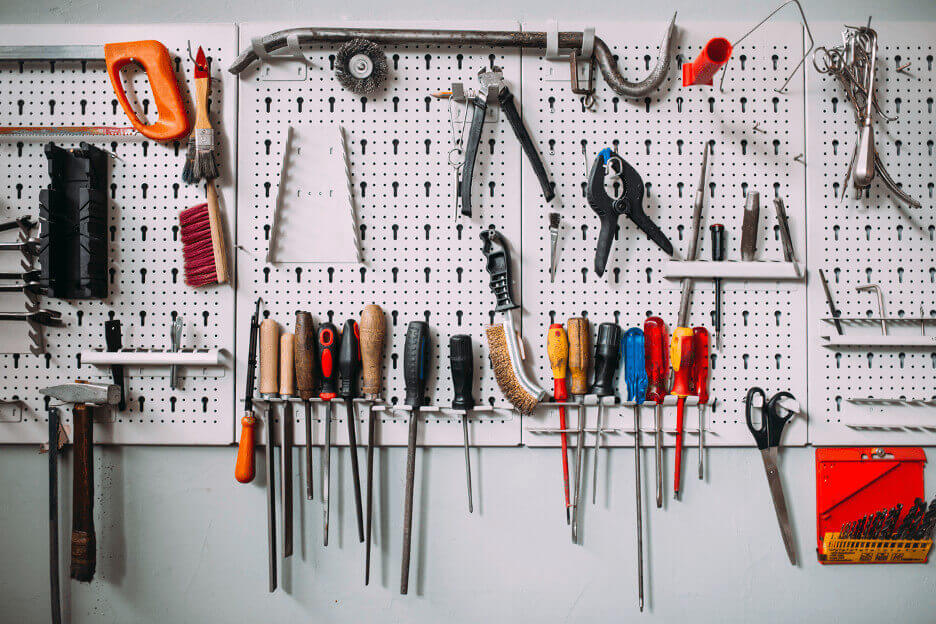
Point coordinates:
pixel 557 346
pixel 657 367
pixel 681 357
pixel 700 372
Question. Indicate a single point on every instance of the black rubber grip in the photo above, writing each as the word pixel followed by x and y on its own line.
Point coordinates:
pixel 653 232
pixel 349 359
pixel 471 153
pixel 506 99
pixel 607 356
pixel 461 359
pixel 416 363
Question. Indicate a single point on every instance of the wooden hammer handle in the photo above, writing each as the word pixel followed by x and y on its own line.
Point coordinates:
pixel 83 543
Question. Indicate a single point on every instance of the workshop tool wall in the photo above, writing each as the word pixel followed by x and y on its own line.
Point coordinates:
pixel 146 289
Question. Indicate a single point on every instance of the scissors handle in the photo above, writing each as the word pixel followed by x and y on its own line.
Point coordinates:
pixel 771 426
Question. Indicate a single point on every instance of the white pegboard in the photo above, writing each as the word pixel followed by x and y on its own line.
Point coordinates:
pixel 662 136
pixel 877 239
pixel 420 261
pixel 146 196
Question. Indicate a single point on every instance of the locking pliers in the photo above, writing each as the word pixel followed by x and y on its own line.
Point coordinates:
pixel 609 168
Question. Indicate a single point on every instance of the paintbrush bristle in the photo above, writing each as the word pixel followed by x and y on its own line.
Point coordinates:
pixel 197 246
pixel 504 373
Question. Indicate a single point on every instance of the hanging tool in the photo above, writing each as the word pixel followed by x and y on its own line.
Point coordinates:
pixel 305 383
pixel 832 309
pixel 47 318
pixel 863 171
pixel 607 357
pixel 749 226
pixel 655 361
pixel 328 359
pixel 609 168
pixel 373 335
pixel 152 56
pixel 712 57
pixel 29 247
pixel 682 359
pixel 525 40
pixel 783 224
pixel 494 88
pixel 54 574
pixel 200 158
pixel 882 315
pixel 504 347
pixel 461 361
pixel 175 340
pixel 114 342
pixel 555 220
pixel 83 397
pixel 269 386
pixel 687 283
pixel 635 376
pixel 349 366
pixel 28 277
pixel 244 468
pixel 287 390
pixel 718 255
pixel 204 253
pixel 557 347
pixel 415 371
pixel 700 372
pixel 360 66
pixel 774 417
pixel 579 353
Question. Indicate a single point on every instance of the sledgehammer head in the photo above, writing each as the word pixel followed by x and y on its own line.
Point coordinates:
pixel 93 394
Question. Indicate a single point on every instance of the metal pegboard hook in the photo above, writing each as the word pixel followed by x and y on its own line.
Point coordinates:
pixel 809 50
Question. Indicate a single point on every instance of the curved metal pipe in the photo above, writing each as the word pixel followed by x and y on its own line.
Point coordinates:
pixel 478 38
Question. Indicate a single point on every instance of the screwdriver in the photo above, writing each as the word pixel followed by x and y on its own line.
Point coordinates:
pixel 557 346
pixel 657 368
pixel 373 335
pixel 415 368
pixel 607 356
pixel 287 390
pixel 578 371
pixel 461 361
pixel 718 254
pixel 700 372
pixel 635 376
pixel 682 359
pixel 269 355
pixel 349 365
pixel 305 382
pixel 328 348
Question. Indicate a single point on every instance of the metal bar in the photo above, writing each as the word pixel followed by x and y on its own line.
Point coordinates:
pixel 52 53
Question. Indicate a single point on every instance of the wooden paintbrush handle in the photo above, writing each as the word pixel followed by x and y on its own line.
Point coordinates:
pixel 83 543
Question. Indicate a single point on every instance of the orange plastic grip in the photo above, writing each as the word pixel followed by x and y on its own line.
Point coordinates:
pixel 244 467
pixel 154 58
pixel 712 57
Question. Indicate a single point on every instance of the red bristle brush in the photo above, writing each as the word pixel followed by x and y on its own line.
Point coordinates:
pixel 203 242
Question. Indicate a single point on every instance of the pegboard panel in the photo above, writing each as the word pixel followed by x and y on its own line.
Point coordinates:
pixel 874 239
pixel 146 195
pixel 662 136
pixel 420 261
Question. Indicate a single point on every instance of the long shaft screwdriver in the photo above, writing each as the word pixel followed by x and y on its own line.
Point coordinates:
pixel 373 336
pixel 557 347
pixel 657 368
pixel 305 383
pixel 415 370
pixel 681 356
pixel 635 376
pixel 269 356
pixel 578 372
pixel 287 391
pixel 607 357
pixel 700 373
pixel 328 360
pixel 461 361
pixel 718 255
pixel 349 365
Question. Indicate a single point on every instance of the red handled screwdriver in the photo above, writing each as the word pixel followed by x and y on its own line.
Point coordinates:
pixel 657 368
pixel 682 360
pixel 700 372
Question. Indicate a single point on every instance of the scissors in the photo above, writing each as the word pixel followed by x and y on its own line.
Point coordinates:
pixel 774 416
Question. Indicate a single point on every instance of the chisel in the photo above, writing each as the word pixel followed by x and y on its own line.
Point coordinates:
pixel 287 390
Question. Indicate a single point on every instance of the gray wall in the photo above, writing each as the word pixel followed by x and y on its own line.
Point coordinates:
pixel 179 541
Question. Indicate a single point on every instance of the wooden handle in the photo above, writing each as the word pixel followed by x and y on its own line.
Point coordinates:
pixel 373 336
pixel 287 370
pixel 202 120
pixel 557 346
pixel 578 355
pixel 83 542
pixel 269 356
pixel 305 355
pixel 218 247
pixel 244 467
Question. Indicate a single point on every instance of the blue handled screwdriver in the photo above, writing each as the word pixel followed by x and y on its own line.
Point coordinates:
pixel 635 376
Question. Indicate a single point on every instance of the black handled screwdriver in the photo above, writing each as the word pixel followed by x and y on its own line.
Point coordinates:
pixel 461 360
pixel 349 364
pixel 718 254
pixel 607 357
pixel 415 369
pixel 328 349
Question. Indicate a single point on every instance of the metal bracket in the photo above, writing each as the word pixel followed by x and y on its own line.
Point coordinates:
pixel 273 67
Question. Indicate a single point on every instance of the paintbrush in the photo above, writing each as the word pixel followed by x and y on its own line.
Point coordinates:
pixel 200 161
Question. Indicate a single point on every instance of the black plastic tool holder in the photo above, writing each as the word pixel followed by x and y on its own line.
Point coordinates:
pixel 73 223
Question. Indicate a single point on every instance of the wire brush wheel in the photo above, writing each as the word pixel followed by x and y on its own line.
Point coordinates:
pixel 360 66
